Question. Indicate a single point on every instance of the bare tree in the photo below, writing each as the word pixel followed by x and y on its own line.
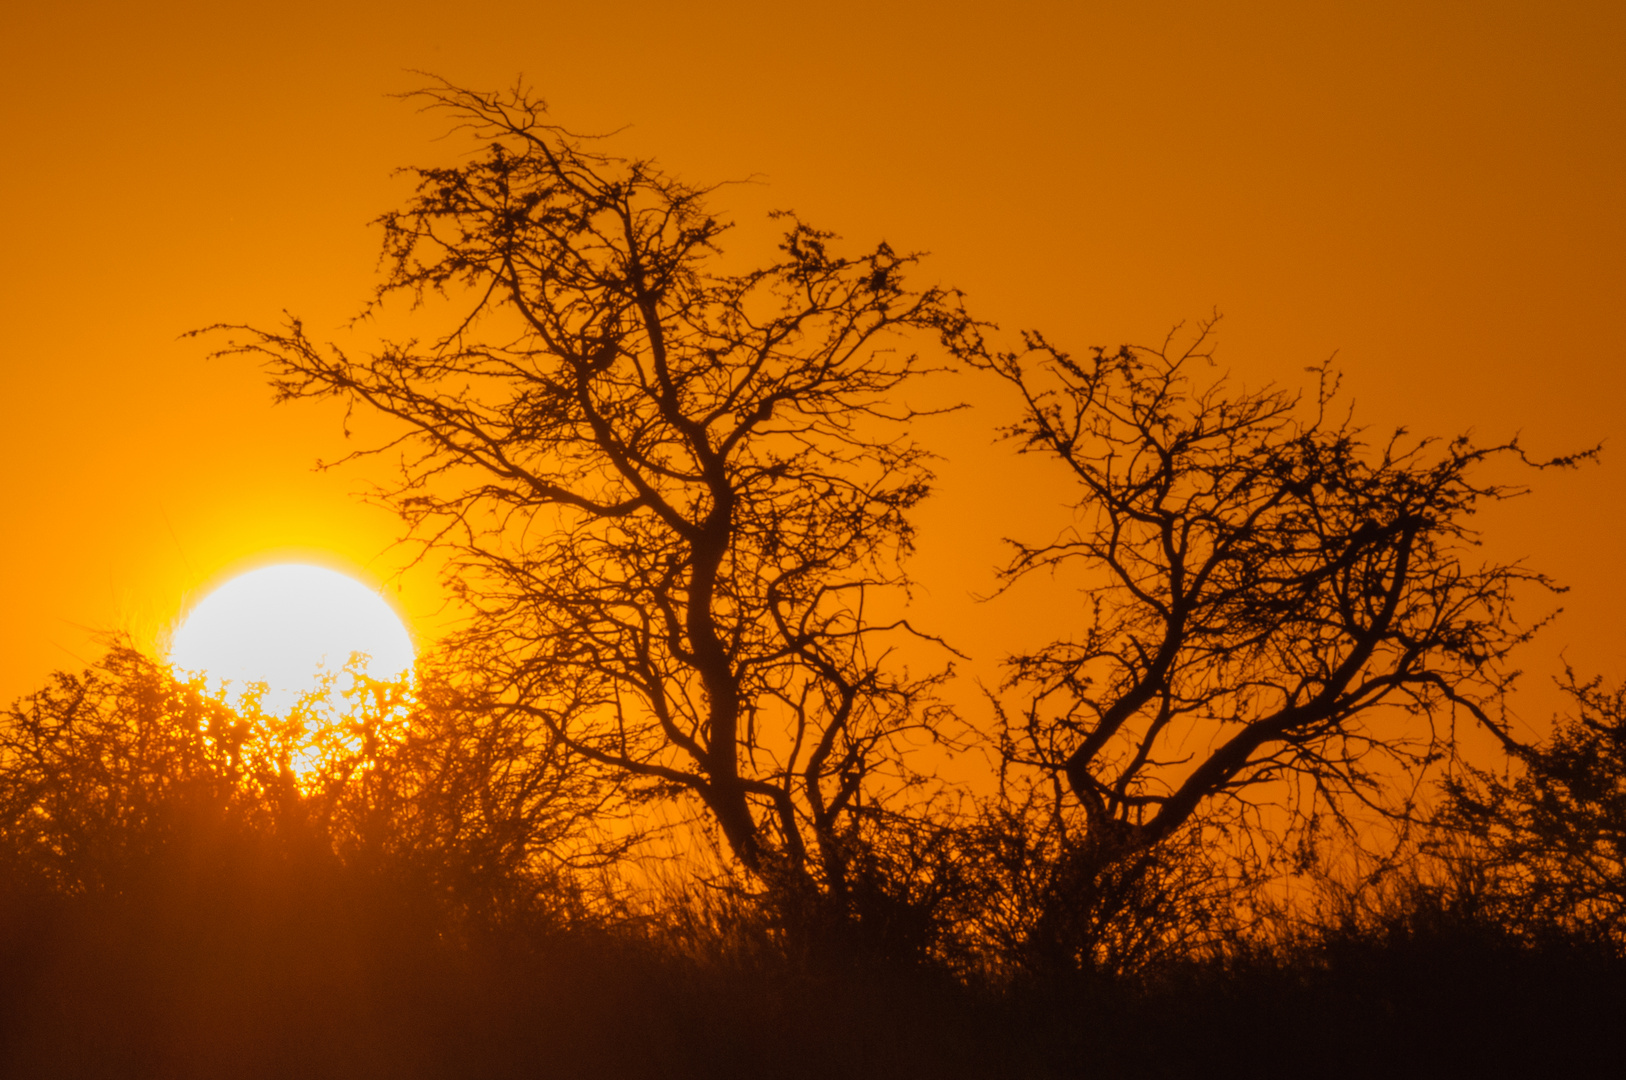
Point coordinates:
pixel 1553 836
pixel 1273 603
pixel 667 493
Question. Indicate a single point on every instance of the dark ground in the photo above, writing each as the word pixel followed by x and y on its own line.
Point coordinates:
pixel 254 972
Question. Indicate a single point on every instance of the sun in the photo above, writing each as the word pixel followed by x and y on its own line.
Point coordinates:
pixel 285 626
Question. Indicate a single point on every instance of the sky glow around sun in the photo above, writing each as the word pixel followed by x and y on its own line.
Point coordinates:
pixel 284 626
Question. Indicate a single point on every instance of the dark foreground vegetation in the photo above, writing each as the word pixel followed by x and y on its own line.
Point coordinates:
pixel 177 903
pixel 239 961
pixel 672 800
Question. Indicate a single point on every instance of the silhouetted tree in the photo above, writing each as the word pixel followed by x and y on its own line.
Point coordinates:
pixel 106 773
pixel 101 770
pixel 668 493
pixel 1047 907
pixel 1552 838
pixel 464 802
pixel 1275 606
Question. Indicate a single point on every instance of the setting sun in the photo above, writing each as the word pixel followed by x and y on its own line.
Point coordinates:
pixel 285 626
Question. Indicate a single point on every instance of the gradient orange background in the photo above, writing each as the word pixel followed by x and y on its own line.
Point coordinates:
pixel 1434 190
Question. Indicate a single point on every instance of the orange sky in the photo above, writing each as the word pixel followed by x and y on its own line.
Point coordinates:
pixel 1434 190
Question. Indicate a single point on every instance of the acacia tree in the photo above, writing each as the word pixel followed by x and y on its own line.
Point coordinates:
pixel 1270 597
pixel 667 492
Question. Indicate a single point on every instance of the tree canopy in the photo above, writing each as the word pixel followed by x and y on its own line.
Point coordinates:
pixel 667 492
pixel 1277 605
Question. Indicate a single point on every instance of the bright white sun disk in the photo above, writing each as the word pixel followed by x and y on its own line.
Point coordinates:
pixel 284 626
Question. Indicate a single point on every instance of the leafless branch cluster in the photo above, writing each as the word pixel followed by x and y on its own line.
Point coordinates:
pixel 1270 596
pixel 668 493
pixel 674 501
pixel 1552 838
